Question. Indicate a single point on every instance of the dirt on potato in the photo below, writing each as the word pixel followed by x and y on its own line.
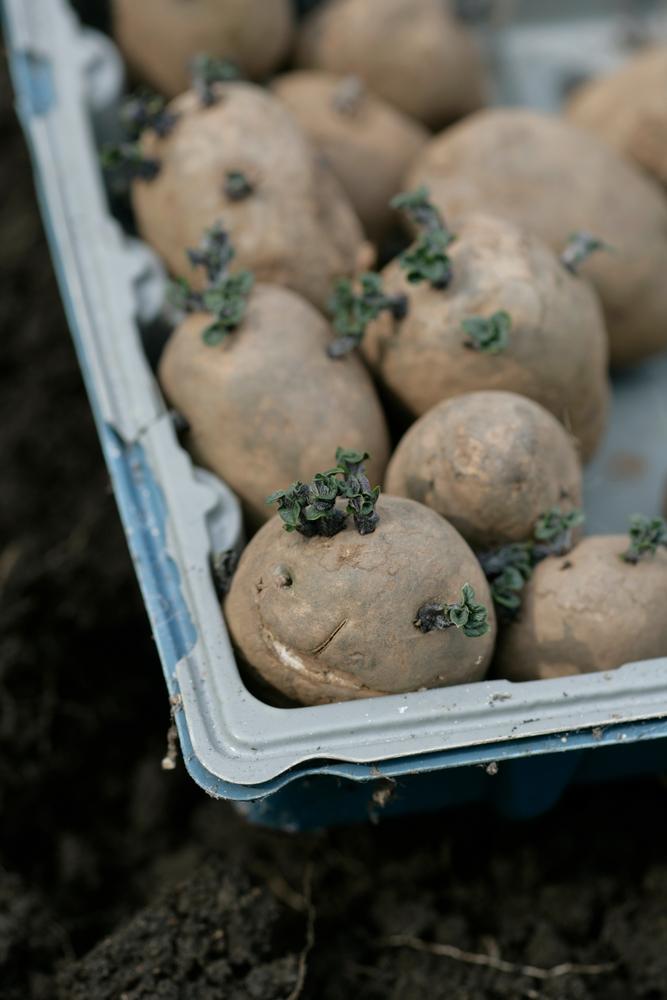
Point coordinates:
pixel 118 879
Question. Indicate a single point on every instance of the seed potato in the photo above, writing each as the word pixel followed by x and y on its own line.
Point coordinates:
pixel 331 619
pixel 294 227
pixel 413 53
pixel 557 349
pixel 159 38
pixel 367 142
pixel 628 109
pixel 553 178
pixel 587 611
pixel 491 463
pixel 267 406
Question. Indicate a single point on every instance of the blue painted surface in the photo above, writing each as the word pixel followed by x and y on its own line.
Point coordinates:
pixel 143 512
pixel 33 82
pixel 521 788
pixel 531 774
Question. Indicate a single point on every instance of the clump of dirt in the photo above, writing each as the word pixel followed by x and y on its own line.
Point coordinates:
pixel 567 907
pixel 218 932
pixel 82 811
pixel 30 939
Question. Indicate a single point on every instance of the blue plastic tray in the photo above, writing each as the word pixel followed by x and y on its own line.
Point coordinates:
pixel 517 746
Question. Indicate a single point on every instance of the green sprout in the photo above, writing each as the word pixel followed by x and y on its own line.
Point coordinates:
pixel 647 534
pixel 207 71
pixel 418 208
pixel 579 248
pixel 291 505
pixel 466 614
pixel 225 295
pixel 553 531
pixel 427 258
pixel 227 301
pixel 182 296
pixel 509 567
pixel 351 312
pixel 214 253
pixel 488 334
pixel 350 462
pixel 311 509
pixel 237 185
pixel 356 489
pixel 321 506
pixel 146 110
pixel 124 162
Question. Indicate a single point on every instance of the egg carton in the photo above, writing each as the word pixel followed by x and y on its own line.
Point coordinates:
pixel 518 744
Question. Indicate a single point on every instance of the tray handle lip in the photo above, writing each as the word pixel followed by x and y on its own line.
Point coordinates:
pixel 619 735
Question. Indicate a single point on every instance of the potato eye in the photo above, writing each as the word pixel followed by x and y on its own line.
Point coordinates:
pixel 283 577
pixel 238 187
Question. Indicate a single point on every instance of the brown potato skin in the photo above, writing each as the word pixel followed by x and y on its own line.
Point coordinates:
pixel 557 351
pixel 268 406
pixel 628 109
pixel 375 584
pixel 553 178
pixel 368 146
pixel 587 611
pixel 296 229
pixel 413 53
pixel 491 463
pixel 159 38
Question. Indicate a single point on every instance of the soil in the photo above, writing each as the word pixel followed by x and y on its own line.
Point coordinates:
pixel 121 880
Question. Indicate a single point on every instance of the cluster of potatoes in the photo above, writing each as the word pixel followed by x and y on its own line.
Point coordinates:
pixel 300 168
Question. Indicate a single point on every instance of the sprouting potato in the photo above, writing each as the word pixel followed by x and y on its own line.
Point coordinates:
pixel 242 159
pixel 589 610
pixel 323 619
pixel 264 402
pixel 501 313
pixel 367 142
pixel 554 179
pixel 413 53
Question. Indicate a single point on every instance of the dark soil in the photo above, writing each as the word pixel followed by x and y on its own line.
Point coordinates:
pixel 120 880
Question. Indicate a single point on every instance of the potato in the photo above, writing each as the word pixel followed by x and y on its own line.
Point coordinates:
pixel 413 53
pixel 628 109
pixel 491 463
pixel 587 611
pixel 330 619
pixel 293 227
pixel 557 349
pixel 159 38
pixel 267 406
pixel 367 143
pixel 553 178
